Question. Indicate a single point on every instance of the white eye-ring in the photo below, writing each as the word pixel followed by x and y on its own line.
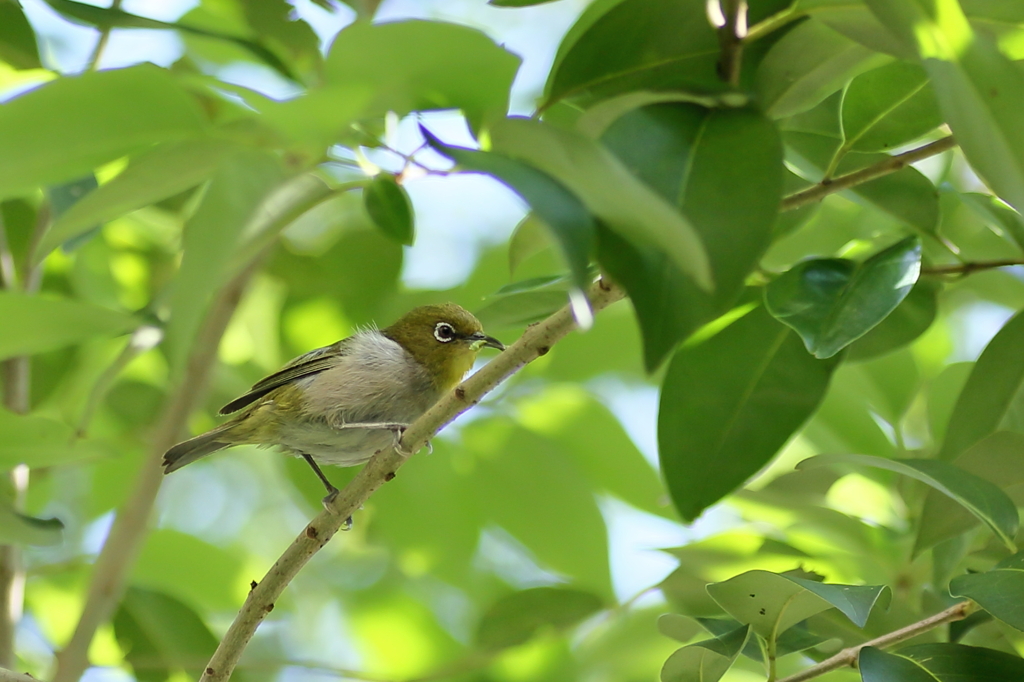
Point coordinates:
pixel 444 332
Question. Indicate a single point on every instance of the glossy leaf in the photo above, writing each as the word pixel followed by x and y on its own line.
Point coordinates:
pixel 939 663
pixel 420 65
pixel 833 302
pixel 908 321
pixel 993 397
pixel 999 591
pixel 980 91
pixel 610 192
pixel 389 207
pixel 18 529
pixel 236 189
pixel 514 619
pixel 888 107
pixel 771 603
pixel 807 65
pixel 757 386
pixel 559 208
pixel 705 661
pixel 34 324
pixel 996 459
pixel 983 499
pixel 626 45
pixel 691 156
pixel 161 635
pixel 117 112
pixel 155 175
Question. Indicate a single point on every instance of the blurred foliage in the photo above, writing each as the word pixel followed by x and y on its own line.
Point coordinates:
pixel 841 383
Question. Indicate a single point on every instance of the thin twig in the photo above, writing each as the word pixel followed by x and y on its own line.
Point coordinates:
pixel 11 676
pixel 535 341
pixel 101 44
pixel 884 167
pixel 970 267
pixel 848 657
pixel 732 30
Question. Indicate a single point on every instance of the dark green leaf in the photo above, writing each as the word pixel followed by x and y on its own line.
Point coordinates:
pixel 980 91
pixel 116 112
pixel 705 661
pixel 568 219
pixel 999 591
pixel 757 386
pixel 524 302
pixel 420 65
pixel 236 189
pixel 608 189
pixel 17 39
pixel 807 65
pixel 940 663
pixel 888 107
pixel 33 324
pixel 156 174
pixel 771 603
pixel 692 157
pixel 625 45
pixel 992 397
pixel 66 196
pixel 514 619
pixel 390 208
pixel 161 636
pixel 983 499
pixel 833 302
pixel 911 318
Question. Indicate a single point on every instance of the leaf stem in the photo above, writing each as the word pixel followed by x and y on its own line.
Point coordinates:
pixel 535 341
pixel 882 168
pixel 774 23
pixel 848 657
pixel 101 44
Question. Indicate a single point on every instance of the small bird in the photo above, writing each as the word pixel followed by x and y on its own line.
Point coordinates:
pixel 342 403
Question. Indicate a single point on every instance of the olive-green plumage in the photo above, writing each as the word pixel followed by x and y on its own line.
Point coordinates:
pixel 342 403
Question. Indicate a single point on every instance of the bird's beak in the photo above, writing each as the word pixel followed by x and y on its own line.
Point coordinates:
pixel 480 340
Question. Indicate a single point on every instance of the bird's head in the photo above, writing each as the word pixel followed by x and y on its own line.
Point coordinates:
pixel 445 339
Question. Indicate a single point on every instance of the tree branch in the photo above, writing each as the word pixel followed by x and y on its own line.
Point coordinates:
pixel 970 267
pixel 731 22
pixel 535 341
pixel 11 676
pixel 883 167
pixel 848 657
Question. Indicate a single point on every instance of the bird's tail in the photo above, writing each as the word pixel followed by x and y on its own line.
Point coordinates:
pixel 194 448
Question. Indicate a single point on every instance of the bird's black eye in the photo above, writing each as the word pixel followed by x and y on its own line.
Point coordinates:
pixel 444 332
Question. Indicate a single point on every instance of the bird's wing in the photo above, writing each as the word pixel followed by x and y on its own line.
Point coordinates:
pixel 313 362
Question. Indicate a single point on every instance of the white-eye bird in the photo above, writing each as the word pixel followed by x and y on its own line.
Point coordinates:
pixel 342 403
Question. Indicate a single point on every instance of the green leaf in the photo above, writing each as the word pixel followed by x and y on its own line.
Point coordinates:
pixel 236 190
pixel 161 635
pixel 169 559
pixel 530 237
pixel 997 215
pixel 156 174
pixel 909 320
pixel 771 603
pixel 705 661
pixel 608 189
pixel 626 45
pixel 66 196
pixel 116 112
pixel 833 302
pixel 556 206
pixel 999 591
pixel 38 442
pixel 691 156
pixel 524 302
pixel 856 22
pixel 983 499
pixel 996 459
pixel 757 385
pixel 939 663
pixel 888 107
pixel 514 619
pixel 34 324
pixel 18 529
pixel 389 207
pixel 421 65
pixel 807 65
pixel 17 39
pixel 980 91
pixel 992 399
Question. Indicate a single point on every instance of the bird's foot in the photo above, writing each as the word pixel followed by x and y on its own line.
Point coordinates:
pixel 347 525
pixel 332 494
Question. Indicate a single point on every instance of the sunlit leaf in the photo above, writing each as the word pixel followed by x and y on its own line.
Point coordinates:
pixel 888 107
